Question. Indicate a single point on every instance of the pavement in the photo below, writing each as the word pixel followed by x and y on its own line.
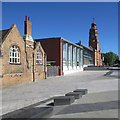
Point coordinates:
pixel 93 105
pixel 102 90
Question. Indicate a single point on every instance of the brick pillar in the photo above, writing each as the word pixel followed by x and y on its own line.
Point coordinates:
pixel 61 59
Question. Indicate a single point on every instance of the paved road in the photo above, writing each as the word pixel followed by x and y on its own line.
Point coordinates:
pixel 23 95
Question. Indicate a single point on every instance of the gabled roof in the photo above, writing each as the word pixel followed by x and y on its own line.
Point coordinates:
pixel 3 33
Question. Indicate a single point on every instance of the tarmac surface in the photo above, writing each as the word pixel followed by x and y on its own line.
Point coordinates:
pixel 101 100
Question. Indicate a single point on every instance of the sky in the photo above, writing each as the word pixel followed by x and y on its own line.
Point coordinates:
pixel 70 20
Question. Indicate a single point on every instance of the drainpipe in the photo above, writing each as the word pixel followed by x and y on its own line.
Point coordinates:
pixel 33 69
pixel 45 66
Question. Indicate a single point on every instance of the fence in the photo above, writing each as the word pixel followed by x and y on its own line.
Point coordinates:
pixel 52 71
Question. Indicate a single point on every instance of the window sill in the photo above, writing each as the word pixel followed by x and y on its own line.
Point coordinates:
pixel 15 63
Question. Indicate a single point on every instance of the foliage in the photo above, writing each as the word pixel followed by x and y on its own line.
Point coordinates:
pixel 110 58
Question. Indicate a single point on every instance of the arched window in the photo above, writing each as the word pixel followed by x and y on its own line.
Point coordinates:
pixel 14 54
pixel 39 57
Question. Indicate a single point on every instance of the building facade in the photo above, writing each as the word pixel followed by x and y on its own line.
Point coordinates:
pixel 65 54
pixel 88 56
pixel 22 59
pixel 92 55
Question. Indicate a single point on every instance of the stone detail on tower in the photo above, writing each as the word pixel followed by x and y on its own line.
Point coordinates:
pixel 93 37
pixel 94 44
pixel 29 42
pixel 27 33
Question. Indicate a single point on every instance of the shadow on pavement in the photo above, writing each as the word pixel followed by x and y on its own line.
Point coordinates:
pixel 31 111
pixel 77 108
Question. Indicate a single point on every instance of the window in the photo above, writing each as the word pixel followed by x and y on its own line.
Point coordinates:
pixel 64 54
pixel 74 55
pixel 69 55
pixel 81 57
pixel 39 57
pixel 77 56
pixel 15 55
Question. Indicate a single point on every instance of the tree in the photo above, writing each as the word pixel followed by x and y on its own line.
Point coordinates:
pixel 110 58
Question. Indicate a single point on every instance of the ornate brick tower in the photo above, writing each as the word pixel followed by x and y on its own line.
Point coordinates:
pixel 94 44
pixel 93 37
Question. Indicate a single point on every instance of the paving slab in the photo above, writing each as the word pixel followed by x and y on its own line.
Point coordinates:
pixel 63 100
pixel 77 95
pixel 91 105
pixel 82 91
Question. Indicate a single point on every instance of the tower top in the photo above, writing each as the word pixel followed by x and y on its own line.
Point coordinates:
pixel 93 22
pixel 93 37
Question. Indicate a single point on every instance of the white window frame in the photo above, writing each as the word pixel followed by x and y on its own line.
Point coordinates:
pixel 39 58
pixel 14 55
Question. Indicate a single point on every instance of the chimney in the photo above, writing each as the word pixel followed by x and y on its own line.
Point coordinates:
pixel 27 26
pixel 28 18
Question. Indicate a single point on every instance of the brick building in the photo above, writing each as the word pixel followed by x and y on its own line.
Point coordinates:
pixel 94 44
pixel 67 55
pixel 88 56
pixel 72 57
pixel 92 55
pixel 22 58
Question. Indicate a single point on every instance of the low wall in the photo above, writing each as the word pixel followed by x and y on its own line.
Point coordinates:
pixel 15 79
pixel 95 68
pixel 19 78
pixel 39 75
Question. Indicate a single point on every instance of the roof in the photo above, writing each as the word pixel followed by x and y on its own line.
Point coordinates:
pixel 87 48
pixel 40 39
pixel 3 34
pixel 72 43
pixel 59 38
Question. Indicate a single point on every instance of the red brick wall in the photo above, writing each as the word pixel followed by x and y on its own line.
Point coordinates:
pixel 53 49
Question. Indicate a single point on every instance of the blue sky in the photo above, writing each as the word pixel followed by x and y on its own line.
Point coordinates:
pixel 70 20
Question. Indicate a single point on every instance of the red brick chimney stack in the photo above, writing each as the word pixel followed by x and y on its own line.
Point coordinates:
pixel 26 18
pixel 27 26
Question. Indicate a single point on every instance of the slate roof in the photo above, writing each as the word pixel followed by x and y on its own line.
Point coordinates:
pixel 3 33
